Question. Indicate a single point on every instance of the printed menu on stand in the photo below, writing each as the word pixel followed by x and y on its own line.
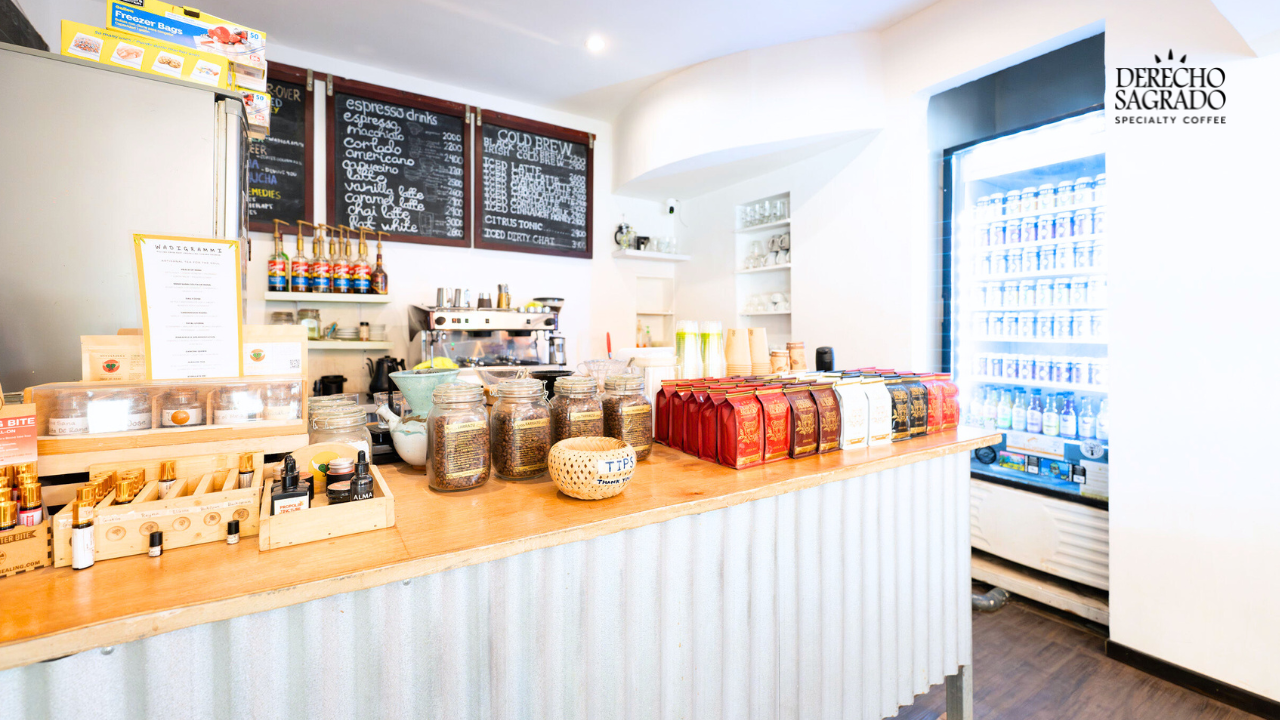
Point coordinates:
pixel 190 291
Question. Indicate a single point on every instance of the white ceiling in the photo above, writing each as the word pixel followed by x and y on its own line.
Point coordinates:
pixel 535 51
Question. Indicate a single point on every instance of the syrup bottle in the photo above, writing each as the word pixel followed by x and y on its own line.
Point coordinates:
pixel 378 278
pixel 360 281
pixel 320 268
pixel 300 270
pixel 341 280
pixel 278 263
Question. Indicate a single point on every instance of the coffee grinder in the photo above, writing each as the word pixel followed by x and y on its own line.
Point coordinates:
pixel 555 341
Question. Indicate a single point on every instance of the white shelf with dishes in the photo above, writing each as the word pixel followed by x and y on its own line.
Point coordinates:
pixel 773 225
pixel 629 254
pixel 766 312
pixel 762 264
pixel 768 268
pixel 347 345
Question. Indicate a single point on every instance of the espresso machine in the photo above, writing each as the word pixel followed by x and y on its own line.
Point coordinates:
pixel 555 341
pixel 483 337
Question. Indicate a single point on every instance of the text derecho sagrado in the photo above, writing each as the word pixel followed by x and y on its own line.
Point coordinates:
pixel 401 169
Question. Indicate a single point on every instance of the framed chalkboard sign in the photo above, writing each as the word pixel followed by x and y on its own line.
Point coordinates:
pixel 280 165
pixel 533 186
pixel 399 163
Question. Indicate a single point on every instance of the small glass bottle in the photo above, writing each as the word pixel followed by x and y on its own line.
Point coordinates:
pixel 378 276
pixel 181 408
pixel 339 269
pixel 70 416
pixel 321 280
pixel 458 430
pixel 628 415
pixel 520 430
pixel 300 268
pixel 360 281
pixel 576 410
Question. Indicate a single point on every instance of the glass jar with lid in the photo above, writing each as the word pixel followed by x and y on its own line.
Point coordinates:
pixel 310 319
pixel 70 416
pixel 181 407
pixel 576 409
pixel 123 411
pixel 282 401
pixel 238 404
pixel 458 427
pixel 628 415
pixel 520 429
pixel 344 423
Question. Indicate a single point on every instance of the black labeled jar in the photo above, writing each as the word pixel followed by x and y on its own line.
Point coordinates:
pixel 576 409
pixel 628 415
pixel 459 436
pixel 520 430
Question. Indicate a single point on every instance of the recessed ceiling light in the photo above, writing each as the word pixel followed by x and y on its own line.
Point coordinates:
pixel 595 43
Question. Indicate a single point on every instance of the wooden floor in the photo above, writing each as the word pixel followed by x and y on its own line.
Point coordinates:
pixel 1032 666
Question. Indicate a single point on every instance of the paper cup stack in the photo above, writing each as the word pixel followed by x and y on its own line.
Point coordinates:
pixel 759 351
pixel 737 352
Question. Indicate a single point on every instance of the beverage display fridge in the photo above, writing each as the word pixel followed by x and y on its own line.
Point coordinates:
pixel 1025 336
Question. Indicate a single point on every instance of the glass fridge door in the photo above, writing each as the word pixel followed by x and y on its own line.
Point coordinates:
pixel 1028 309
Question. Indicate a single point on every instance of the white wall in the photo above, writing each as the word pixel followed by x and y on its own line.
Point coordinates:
pixel 599 293
pixel 1193 501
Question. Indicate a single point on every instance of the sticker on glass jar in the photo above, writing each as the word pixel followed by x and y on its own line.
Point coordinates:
pixel 280 412
pixel 139 421
pixel 182 417
pixel 230 417
pixel 68 426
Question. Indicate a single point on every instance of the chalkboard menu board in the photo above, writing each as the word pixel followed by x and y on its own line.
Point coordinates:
pixel 535 187
pixel 398 163
pixel 280 164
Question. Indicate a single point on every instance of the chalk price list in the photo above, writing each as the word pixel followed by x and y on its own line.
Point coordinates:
pixel 535 190
pixel 401 169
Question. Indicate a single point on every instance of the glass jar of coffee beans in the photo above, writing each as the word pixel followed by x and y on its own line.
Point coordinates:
pixel 628 415
pixel 459 433
pixel 575 409
pixel 520 429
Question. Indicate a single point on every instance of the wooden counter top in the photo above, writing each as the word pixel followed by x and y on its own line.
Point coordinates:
pixel 53 612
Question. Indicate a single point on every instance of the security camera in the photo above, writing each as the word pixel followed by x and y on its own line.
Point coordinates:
pixel 672 204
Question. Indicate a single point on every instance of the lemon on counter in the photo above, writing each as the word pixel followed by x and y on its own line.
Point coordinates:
pixel 440 363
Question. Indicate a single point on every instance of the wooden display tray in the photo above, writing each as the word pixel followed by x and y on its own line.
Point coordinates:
pixel 200 504
pixel 24 548
pixel 323 521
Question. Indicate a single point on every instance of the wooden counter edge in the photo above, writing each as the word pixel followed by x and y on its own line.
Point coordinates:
pixel 137 627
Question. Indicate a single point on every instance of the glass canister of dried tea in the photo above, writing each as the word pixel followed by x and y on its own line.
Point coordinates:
pixel 628 415
pixel 520 429
pixel 576 410
pixel 459 429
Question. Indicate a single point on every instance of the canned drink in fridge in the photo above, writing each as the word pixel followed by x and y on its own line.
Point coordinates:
pixel 1012 203
pixel 1014 261
pixel 1044 293
pixel 980 328
pixel 1062 196
pixel 1010 294
pixel 1057 370
pixel 1044 227
pixel 1062 324
pixel 996 365
pixel 1080 324
pixel 1044 197
pixel 1096 291
pixel 1098 372
pixel 995 233
pixel 1027 294
pixel 1099 255
pixel 1044 324
pixel 1043 369
pixel 996 325
pixel 1061 292
pixel 1079 290
pixel 1028 230
pixel 1062 225
pixel 1026 367
pixel 984 234
pixel 1030 263
pixel 1098 323
pixel 1083 191
pixel 1011 367
pixel 1079 372
pixel 981 364
pixel 1083 222
pixel 1063 257
pixel 1012 232
pixel 980 207
pixel 1080 254
pixel 1027 324
pixel 1011 324
pixel 1098 216
pixel 1046 256
pixel 1028 200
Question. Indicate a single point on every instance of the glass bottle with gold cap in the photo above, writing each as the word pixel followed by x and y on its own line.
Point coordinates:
pixel 167 477
pixel 320 268
pixel 8 515
pixel 30 504
pixel 278 263
pixel 300 267
pixel 246 471
pixel 82 546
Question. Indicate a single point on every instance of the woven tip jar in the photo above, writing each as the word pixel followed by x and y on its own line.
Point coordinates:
pixel 592 468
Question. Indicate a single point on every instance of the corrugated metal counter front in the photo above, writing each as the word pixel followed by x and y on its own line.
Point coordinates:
pixel 834 586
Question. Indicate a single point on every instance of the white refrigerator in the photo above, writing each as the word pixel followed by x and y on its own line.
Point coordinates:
pixel 93 155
